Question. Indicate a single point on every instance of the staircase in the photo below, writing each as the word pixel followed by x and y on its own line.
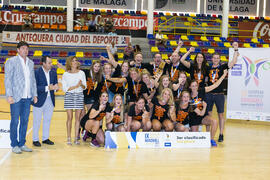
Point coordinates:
pixel 146 49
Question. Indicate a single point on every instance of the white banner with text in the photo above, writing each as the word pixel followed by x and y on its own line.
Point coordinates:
pixel 4 134
pixel 64 39
pixel 157 140
pixel 248 85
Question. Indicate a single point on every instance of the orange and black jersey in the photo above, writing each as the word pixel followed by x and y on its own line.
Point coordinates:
pixel 153 69
pixel 101 114
pixel 135 89
pixel 117 88
pixel 160 112
pixel 116 118
pixel 197 102
pixel 173 71
pixel 214 74
pixel 91 86
pixel 132 112
pixel 199 77
pixel 182 115
pixel 177 93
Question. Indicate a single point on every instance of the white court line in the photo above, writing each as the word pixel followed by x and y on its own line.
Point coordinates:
pixel 9 152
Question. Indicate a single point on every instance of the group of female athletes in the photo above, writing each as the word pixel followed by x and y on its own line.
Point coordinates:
pixel 155 96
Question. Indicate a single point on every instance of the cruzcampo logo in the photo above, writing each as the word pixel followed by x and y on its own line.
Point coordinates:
pixel 253 69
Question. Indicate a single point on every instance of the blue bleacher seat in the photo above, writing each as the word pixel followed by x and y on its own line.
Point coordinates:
pixel 104 54
pixel 87 62
pixel 169 49
pixel 150 36
pixel 71 53
pixel 197 50
pixel 223 39
pixel 46 53
pixel 206 43
pixel 191 38
pixel 62 61
pixel 3 52
pixel 253 45
pixel 220 44
pixel 225 51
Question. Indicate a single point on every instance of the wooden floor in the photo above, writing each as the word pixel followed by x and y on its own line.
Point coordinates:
pixel 245 154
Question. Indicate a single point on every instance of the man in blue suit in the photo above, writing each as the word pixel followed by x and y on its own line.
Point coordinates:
pixel 20 86
pixel 47 83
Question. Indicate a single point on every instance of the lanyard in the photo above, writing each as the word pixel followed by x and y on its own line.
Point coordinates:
pixel 105 81
pixel 95 82
pixel 179 92
pixel 135 88
pixel 214 73
pixel 173 70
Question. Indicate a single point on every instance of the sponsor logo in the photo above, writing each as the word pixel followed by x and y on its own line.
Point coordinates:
pixel 10 17
pixel 262 30
pixel 151 138
pixel 253 68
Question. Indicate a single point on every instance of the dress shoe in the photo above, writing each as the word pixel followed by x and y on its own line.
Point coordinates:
pixel 36 143
pixel 47 141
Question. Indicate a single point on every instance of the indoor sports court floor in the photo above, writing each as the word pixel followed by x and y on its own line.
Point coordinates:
pixel 245 154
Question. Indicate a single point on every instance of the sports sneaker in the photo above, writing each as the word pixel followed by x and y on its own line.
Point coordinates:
pixel 85 136
pixel 213 143
pixel 220 138
pixel 94 143
pixel 25 149
pixel 16 150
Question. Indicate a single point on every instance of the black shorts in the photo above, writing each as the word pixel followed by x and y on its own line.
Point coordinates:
pixel 88 100
pixel 196 120
pixel 218 99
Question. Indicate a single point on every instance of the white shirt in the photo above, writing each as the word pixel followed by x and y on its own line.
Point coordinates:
pixel 47 75
pixel 72 79
pixel 26 72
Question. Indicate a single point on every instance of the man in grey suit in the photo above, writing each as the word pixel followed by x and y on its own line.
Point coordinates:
pixel 20 85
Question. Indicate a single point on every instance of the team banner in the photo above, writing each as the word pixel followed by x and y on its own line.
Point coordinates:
pixel 239 7
pixel 255 29
pixel 248 85
pixel 64 39
pixel 4 134
pixel 16 17
pixel 107 4
pixel 157 140
pixel 120 22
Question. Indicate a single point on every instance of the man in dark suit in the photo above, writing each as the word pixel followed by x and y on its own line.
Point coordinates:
pixel 47 84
